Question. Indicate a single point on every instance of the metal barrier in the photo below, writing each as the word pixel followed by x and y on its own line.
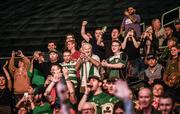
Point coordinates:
pixel 163 15
pixel 6 58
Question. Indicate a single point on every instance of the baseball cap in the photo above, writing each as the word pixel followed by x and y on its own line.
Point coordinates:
pixel 151 56
pixel 95 77
pixel 53 51
pixel 112 80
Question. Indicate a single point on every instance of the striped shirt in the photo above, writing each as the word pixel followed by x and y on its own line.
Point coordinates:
pixel 87 69
pixel 71 72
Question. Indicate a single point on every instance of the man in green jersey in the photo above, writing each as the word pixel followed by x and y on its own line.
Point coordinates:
pixel 116 64
pixel 102 102
pixel 71 67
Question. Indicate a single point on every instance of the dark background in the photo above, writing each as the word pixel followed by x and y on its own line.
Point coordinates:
pixel 29 24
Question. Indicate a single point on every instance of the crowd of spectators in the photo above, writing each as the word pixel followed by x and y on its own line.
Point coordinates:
pixel 136 72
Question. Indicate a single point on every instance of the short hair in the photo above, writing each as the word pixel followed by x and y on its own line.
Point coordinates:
pixel 72 41
pixel 70 34
pixel 151 95
pixel 168 27
pixel 52 41
pixel 155 19
pixel 56 64
pixel 98 28
pixel 117 41
pixel 66 51
pixel 166 96
pixel 85 43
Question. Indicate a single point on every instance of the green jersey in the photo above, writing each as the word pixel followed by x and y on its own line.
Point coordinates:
pixel 103 102
pixel 45 109
pixel 117 72
pixel 88 69
pixel 37 77
pixel 71 72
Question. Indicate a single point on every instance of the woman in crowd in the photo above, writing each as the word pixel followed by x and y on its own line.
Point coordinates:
pixel 5 91
pixel 21 79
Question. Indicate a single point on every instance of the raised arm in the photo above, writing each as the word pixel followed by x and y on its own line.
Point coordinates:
pixel 7 75
pixel 11 66
pixel 136 43
pixel 25 60
pixel 50 86
pixel 84 98
pixel 83 31
pixel 20 102
pixel 30 71
pixel 80 61
pixel 124 42
pixel 72 95
pixel 133 18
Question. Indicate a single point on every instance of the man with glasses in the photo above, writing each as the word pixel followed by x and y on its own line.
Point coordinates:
pixel 116 64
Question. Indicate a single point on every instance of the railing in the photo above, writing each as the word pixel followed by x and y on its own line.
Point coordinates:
pixel 170 11
pixel 6 58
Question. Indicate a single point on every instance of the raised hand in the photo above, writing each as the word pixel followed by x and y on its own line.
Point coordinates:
pixel 84 23
pixel 126 13
pixel 82 55
pixel 20 53
pixel 123 90
pixel 55 78
pixel 13 54
pixel 87 89
pixel 36 55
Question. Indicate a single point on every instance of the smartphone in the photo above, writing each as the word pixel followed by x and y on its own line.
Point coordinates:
pixel 26 94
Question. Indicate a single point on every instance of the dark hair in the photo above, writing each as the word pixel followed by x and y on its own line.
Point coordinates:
pixel 117 41
pixel 6 82
pixel 57 64
pixel 129 29
pixel 98 28
pixel 155 19
pixel 52 41
pixel 168 96
pixel 120 105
